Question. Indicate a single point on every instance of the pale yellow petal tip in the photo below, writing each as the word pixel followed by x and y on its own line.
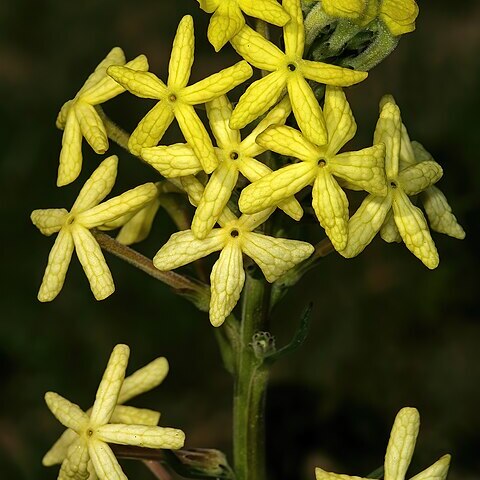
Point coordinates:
pixel 121 349
pixel 387 98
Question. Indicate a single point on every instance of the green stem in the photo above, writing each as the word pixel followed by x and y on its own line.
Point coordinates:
pixel 250 388
pixel 114 132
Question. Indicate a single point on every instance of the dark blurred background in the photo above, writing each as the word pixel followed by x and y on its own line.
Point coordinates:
pixel 386 332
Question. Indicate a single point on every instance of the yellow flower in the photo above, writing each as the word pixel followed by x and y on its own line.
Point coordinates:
pixel 319 165
pixel 73 230
pixel 399 453
pixel 90 451
pixel 234 156
pixel 290 71
pixel 351 9
pixel 227 18
pixel 78 117
pixel 402 183
pixel 235 237
pixel 143 380
pixel 177 99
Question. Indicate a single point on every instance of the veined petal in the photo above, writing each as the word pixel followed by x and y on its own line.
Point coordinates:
pixel 127 202
pixel 196 136
pixel 217 84
pixel 331 208
pixel 365 224
pixel 144 379
pixel 75 465
pixel 364 169
pixel 209 6
pixel 258 98
pixel 98 186
pixel 227 279
pixel 419 177
pixel 215 197
pixel 104 461
pixel 225 23
pixel 141 84
pixel 134 416
pixel 352 9
pixel 108 88
pixel 421 155
pixel 341 125
pixel 67 413
pixel 388 131
pixel 257 50
pixel 71 153
pixel 306 109
pixel 330 74
pixel 389 231
pixel 414 230
pixel 253 221
pixel 59 449
pixel 92 127
pixel 275 256
pixel 293 31
pixel 268 10
pixel 288 141
pixel 402 443
pixel 49 220
pixel 183 247
pixel 93 262
pixel 142 435
pixel 219 112
pixel 181 58
pixel 172 161
pixel 62 114
pixel 407 155
pixel 109 388
pixel 276 187
pixel 58 262
pixel 276 116
pixel 437 471
pixel 440 214
pixel 323 475
pixel 399 15
pixel 151 128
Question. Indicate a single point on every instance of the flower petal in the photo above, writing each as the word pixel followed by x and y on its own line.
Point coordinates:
pixel 407 154
pixel 71 153
pixel 437 471
pixel 92 127
pixel 219 112
pixel 351 9
pixel 49 220
pixel 227 279
pixel 67 413
pixel 59 449
pixel 293 31
pixel 330 74
pixel 141 84
pixel 75 465
pixel 399 15
pixel 275 256
pixel 225 23
pixel 172 161
pixel 134 416
pixel 104 461
pixel 389 231
pixel 181 57
pixel 419 177
pixel 268 10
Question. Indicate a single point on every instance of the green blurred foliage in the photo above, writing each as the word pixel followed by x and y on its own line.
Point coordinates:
pixel 386 331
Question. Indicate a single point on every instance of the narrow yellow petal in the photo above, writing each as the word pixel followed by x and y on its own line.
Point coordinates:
pixel 134 416
pixel 67 413
pixel 181 58
pixel 389 231
pixel 268 10
pixel 225 23
pixel 420 153
pixel 399 15
pixel 331 74
pixel 62 114
pixel 215 197
pixel 306 109
pixel 49 220
pixel 104 461
pixel 258 98
pixel 407 154
pixel 93 262
pixel 293 31
pixel 419 177
pixel 227 279
pixel 75 465
pixel 141 84
pixel 151 128
pixel 257 50
pixel 414 230
pixel 59 449
pixel 253 221
pixel 276 187
pixel 364 169
pixel 275 256
pixel 440 214
pixel 98 186
pixel 183 248
pixel 109 388
pixel 219 112
pixel 366 223
pixel 142 436
pixel 217 84
pixel 172 161
pixel 437 471
pixel 92 127
pixel 209 6
pixel 58 262
pixel 323 475
pixel 71 153
pixel 341 125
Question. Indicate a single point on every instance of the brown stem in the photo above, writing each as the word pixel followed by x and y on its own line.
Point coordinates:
pixel 157 469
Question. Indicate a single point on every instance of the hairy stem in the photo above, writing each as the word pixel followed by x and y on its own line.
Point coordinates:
pixel 114 132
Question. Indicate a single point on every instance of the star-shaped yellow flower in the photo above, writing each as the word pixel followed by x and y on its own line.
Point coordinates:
pixel 73 230
pixel 290 71
pixel 143 380
pixel 235 237
pixel 78 117
pixel 374 210
pixel 319 165
pixel 96 431
pixel 177 99
pixel 399 453
pixel 227 18
pixel 234 156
